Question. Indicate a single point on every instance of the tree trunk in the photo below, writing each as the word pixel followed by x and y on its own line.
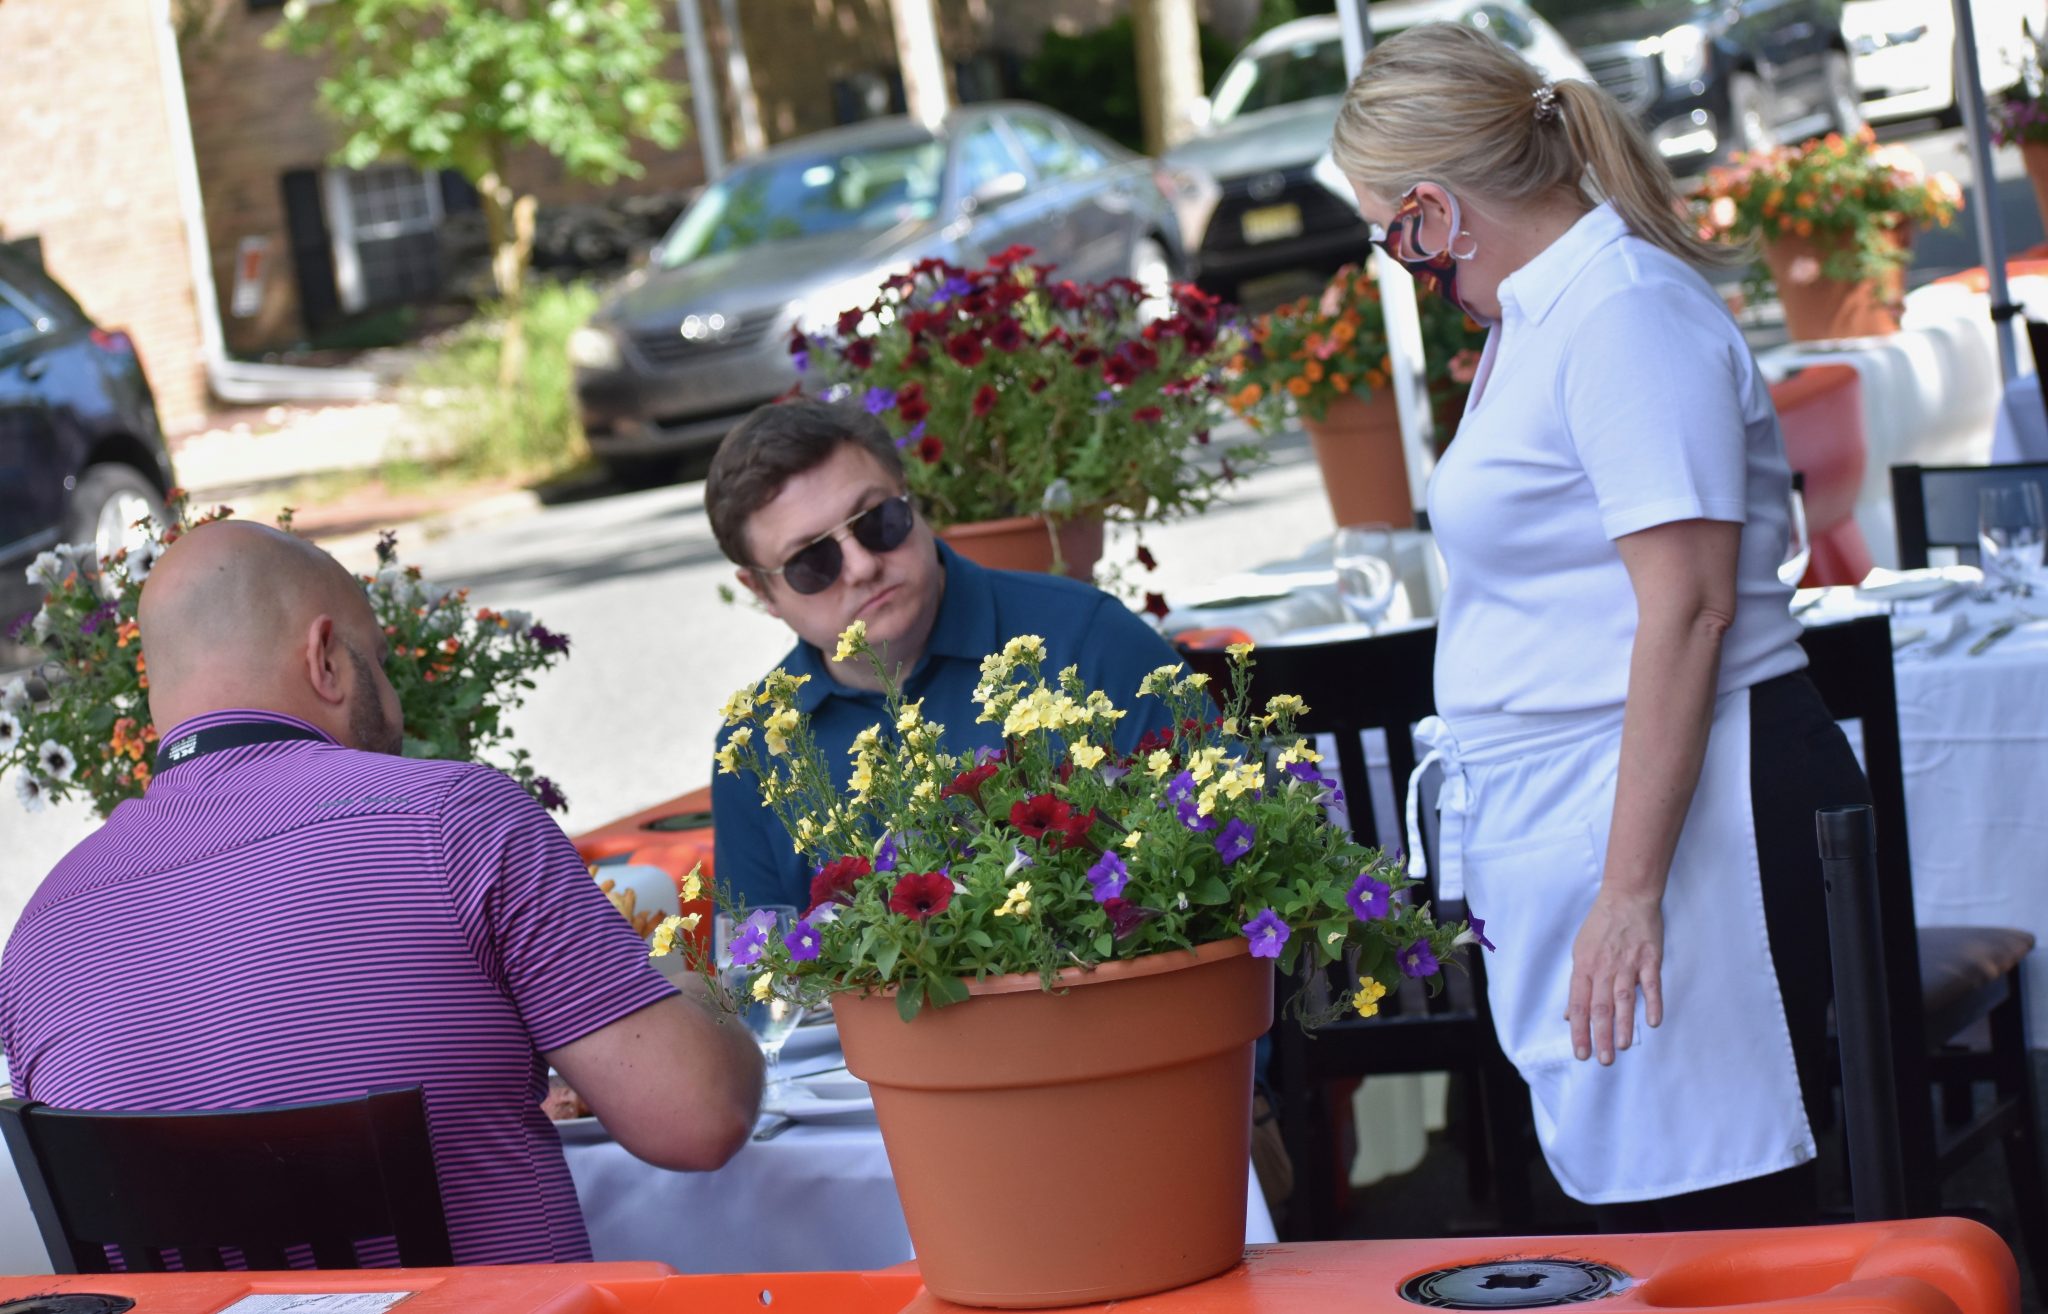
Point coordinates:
pixel 918 56
pixel 1169 69
pixel 509 219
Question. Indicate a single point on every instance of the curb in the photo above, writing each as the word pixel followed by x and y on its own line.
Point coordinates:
pixel 358 551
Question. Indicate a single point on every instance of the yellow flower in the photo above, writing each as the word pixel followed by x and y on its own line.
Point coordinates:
pixel 728 760
pixel 868 738
pixel 663 942
pixel 1239 649
pixel 693 885
pixel 1131 840
pixel 1159 763
pixel 1204 763
pixel 1298 751
pixel 1367 1000
pixel 1286 705
pixel 806 829
pixel 851 641
pixel 688 921
pixel 778 727
pixel 862 780
pixel 1087 756
pixel 909 718
pixel 1161 679
pixel 739 707
pixel 1023 646
pixel 1018 902
pixel 1205 803
pixel 921 790
pixel 1197 681
pixel 1230 726
pixel 764 987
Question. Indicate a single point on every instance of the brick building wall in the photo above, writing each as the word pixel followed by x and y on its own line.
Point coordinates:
pixel 86 166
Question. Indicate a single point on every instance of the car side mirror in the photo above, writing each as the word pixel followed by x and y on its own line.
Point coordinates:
pixel 1003 187
pixel 1199 111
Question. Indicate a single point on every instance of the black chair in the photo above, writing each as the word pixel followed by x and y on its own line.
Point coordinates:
pixel 1955 995
pixel 1384 683
pixel 1936 505
pixel 257 1182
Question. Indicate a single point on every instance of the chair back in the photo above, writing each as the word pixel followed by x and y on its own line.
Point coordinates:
pixel 1936 505
pixel 1851 665
pixel 247 1188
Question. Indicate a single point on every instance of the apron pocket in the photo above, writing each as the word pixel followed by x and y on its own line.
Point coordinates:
pixel 1534 894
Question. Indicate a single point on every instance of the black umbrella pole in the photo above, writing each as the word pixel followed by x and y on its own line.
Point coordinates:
pixel 1990 227
pixel 1870 1097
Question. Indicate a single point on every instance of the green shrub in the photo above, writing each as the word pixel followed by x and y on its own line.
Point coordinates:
pixel 1093 77
pixel 466 418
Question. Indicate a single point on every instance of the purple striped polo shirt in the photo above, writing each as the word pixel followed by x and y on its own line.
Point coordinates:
pixel 287 922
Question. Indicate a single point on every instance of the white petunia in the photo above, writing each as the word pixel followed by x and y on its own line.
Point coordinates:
pixel 10 733
pixel 142 559
pixel 47 570
pixel 519 622
pixel 31 791
pixel 42 626
pixel 14 695
pixel 55 760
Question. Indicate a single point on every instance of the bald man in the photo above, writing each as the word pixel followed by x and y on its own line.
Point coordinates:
pixel 295 913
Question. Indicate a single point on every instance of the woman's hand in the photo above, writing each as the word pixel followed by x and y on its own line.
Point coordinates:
pixel 1619 948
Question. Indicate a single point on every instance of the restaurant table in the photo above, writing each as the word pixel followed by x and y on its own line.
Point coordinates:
pixel 815 1196
pixel 2021 432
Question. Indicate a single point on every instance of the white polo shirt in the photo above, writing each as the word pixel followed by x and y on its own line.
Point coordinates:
pixel 1615 394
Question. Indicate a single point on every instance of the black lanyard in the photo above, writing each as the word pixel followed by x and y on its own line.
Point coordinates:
pixel 234 734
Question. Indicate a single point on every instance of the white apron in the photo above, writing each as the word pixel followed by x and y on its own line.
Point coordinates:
pixel 1712 1095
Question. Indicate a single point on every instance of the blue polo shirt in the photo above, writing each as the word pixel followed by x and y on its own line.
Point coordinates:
pixel 979 612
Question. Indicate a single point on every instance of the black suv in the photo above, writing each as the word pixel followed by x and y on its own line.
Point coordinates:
pixel 1714 77
pixel 81 455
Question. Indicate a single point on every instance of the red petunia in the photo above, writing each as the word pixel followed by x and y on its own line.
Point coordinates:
pixel 965 348
pixel 1148 415
pixel 921 322
pixel 984 399
pixel 1040 813
pixel 916 357
pixel 860 353
pixel 798 343
pixel 1039 384
pixel 1007 335
pixel 1202 437
pixel 1119 372
pixel 911 403
pixel 920 894
pixel 849 321
pixel 1010 255
pixel 1146 559
pixel 930 449
pixel 969 782
pixel 1073 832
pixel 834 881
pixel 1068 297
pixel 1125 916
pixel 1156 604
pixel 1086 356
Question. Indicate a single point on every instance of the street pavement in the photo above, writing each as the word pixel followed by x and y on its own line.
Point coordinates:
pixel 632 579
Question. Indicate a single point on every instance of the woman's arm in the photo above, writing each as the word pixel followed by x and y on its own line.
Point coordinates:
pixel 1683 574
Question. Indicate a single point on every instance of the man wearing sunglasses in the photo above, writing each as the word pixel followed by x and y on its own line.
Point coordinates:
pixel 809 501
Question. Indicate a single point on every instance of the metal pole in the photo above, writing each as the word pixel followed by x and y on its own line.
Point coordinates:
pixel 739 81
pixel 922 64
pixel 1397 300
pixel 1990 228
pixel 1870 1094
pixel 703 90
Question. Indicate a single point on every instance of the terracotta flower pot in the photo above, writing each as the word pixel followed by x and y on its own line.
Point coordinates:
pixel 1065 1148
pixel 1365 472
pixel 1024 543
pixel 1818 307
pixel 2034 154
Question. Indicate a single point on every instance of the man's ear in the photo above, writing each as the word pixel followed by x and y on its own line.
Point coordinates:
pixel 757 585
pixel 325 661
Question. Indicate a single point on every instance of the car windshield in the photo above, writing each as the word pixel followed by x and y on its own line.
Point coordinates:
pixel 1282 76
pixel 808 196
pixel 1566 11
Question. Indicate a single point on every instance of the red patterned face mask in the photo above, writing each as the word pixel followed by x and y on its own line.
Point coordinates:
pixel 1435 270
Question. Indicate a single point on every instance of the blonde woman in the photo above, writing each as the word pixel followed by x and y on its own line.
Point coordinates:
pixel 1636 752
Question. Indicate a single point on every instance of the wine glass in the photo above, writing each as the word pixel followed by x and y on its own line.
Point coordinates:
pixel 1363 556
pixel 2011 530
pixel 771 1020
pixel 1798 547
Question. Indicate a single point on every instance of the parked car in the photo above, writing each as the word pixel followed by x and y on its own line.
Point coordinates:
pixel 1267 126
pixel 1713 77
pixel 682 349
pixel 1904 53
pixel 82 457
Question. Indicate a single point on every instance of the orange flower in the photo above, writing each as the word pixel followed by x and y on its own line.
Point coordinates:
pixel 128 631
pixel 1803 228
pixel 1343 332
pixel 142 774
pixel 1374 380
pixel 1314 343
pixel 1313 371
pixel 1299 386
pixel 451 644
pixel 1341 382
pixel 1248 396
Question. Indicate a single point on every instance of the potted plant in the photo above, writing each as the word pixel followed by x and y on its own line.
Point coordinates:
pixel 1051 962
pixel 1324 360
pixel 1031 410
pixel 1834 218
pixel 83 728
pixel 2020 118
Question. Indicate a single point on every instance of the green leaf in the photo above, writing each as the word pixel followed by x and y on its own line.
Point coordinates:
pixel 1210 890
pixel 1104 943
pixel 909 999
pixel 885 959
pixel 947 990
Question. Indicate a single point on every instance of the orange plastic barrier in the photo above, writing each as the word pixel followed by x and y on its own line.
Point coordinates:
pixel 674 836
pixel 1926 1266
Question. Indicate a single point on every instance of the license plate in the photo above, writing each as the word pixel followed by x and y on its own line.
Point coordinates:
pixel 1271 223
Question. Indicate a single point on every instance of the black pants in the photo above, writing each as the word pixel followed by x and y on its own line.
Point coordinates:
pixel 1799 762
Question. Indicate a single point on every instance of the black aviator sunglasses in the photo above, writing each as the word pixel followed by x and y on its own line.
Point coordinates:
pixel 815 566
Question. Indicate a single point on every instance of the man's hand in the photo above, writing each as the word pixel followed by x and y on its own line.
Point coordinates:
pixel 1619 949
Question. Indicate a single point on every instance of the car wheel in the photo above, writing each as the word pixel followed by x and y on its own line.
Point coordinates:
pixel 1749 112
pixel 1152 270
pixel 105 506
pixel 1845 101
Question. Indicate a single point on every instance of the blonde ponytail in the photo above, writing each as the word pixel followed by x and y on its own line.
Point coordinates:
pixel 1448 104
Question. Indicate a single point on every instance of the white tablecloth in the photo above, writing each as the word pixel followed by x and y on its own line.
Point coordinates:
pixel 818 1196
pixel 2022 430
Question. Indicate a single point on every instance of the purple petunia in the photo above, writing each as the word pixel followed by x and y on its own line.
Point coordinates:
pixel 1181 790
pixel 1417 959
pixel 801 359
pixel 1267 933
pixel 879 401
pixel 547 639
pixel 1306 771
pixel 550 794
pixel 99 616
pixel 1190 814
pixel 1478 933
pixel 916 433
pixel 1368 897
pixel 885 854
pixel 1108 877
pixel 952 287
pixel 802 942
pixel 1236 840
pixel 752 938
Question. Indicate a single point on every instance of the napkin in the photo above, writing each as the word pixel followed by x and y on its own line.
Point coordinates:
pixel 1929 636
pixel 1911 592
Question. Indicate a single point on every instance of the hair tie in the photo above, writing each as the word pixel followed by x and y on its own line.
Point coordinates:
pixel 1545 97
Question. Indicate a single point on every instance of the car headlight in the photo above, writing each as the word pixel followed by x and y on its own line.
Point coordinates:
pixel 819 311
pixel 593 348
pixel 1683 52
